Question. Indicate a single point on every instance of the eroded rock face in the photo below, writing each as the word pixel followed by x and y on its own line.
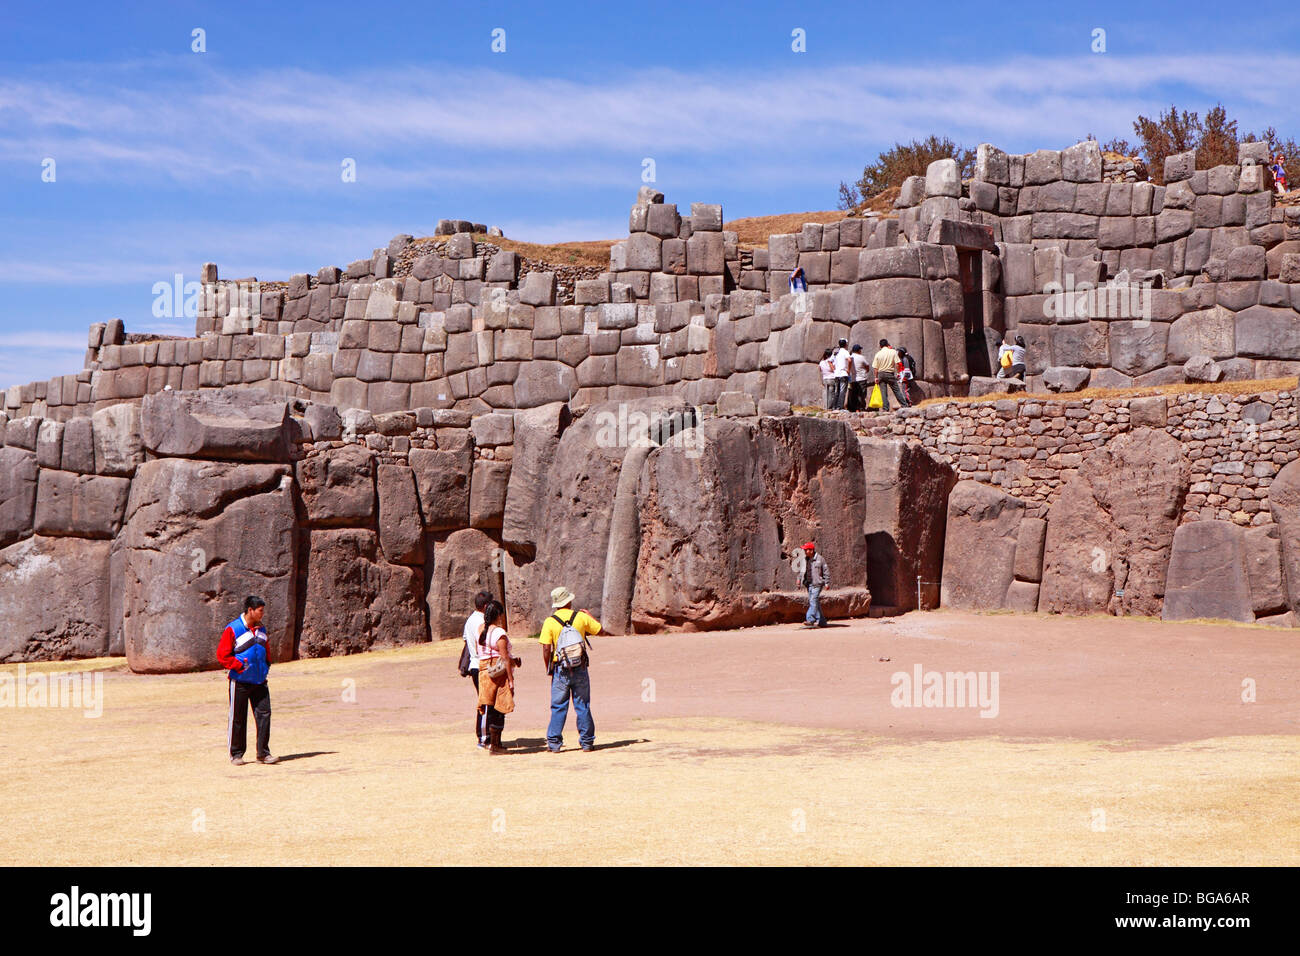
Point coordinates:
pixel 1207 573
pixel 1284 503
pixel 577 494
pixel 979 559
pixel 1110 533
pixel 337 487
pixel 199 536
pixel 464 562
pixel 719 520
pixel 54 599
pixel 17 493
pixel 906 509
pixel 537 434
pixel 401 531
pixel 354 600
pixel 242 424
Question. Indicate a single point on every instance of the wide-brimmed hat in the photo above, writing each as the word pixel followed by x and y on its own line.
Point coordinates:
pixel 810 546
pixel 561 596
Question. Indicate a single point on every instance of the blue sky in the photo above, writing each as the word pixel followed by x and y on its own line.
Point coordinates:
pixel 165 158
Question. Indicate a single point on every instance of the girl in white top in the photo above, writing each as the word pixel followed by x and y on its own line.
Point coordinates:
pixel 496 693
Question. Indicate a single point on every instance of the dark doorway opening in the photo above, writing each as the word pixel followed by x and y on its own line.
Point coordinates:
pixel 972 295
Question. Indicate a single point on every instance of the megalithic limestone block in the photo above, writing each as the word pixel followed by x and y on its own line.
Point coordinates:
pixel 200 536
pixel 624 541
pixel 54 599
pixel 1207 573
pixel 537 433
pixel 1284 504
pixel 228 423
pixel 979 552
pixel 905 519
pixel 1111 529
pixel 723 510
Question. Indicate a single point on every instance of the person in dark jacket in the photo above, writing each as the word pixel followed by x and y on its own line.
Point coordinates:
pixel 242 652
pixel 816 578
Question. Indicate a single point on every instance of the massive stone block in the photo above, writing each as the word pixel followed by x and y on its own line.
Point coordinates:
pixel 337 486
pixel 1284 503
pixel 905 519
pixel 198 537
pixel 84 506
pixel 536 436
pixel 574 500
pixel 354 600
pixel 229 423
pixel 442 477
pixel 1207 573
pixel 979 552
pixel 723 558
pixel 54 599
pixel 487 493
pixel 1110 531
pixel 401 529
pixel 464 563
pixel 118 446
pixel 17 493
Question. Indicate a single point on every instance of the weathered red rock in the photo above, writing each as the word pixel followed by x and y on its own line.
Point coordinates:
pixel 1111 530
pixel 906 509
pixel 337 487
pixel 54 599
pixel 354 600
pixel 724 506
pixel 199 536
pixel 401 530
pixel 1207 574
pixel 979 558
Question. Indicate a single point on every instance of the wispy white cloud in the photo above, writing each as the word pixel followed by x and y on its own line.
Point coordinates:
pixel 422 126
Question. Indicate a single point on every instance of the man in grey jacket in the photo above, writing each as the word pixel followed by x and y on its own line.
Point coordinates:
pixel 816 577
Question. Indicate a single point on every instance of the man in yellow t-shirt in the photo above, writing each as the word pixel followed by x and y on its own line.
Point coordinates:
pixel 568 680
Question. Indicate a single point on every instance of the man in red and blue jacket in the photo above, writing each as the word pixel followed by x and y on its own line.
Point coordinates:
pixel 242 652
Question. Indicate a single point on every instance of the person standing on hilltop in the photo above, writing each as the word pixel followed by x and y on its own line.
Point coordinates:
pixel 242 652
pixel 1279 174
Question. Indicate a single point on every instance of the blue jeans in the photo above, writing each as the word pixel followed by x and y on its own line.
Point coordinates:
pixel 573 683
pixel 815 615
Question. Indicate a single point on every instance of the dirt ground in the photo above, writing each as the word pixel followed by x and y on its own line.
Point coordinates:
pixel 1112 742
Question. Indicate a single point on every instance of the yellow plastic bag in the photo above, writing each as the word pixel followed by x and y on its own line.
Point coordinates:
pixel 1006 359
pixel 876 400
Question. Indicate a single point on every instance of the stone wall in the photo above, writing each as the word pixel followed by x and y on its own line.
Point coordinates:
pixel 1199 279
pixel 1234 445
pixel 138 530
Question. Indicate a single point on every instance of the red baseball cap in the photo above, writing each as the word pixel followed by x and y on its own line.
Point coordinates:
pixel 810 546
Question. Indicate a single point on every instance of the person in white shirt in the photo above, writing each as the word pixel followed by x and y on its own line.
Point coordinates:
pixel 497 664
pixel 474 624
pixel 858 385
pixel 841 361
pixel 1016 352
pixel 828 377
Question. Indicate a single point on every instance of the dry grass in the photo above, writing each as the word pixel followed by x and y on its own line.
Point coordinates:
pixel 592 253
pixel 388 788
pixel 1201 388
pixel 754 231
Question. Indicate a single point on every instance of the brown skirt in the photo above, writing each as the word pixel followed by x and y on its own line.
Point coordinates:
pixel 495 693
